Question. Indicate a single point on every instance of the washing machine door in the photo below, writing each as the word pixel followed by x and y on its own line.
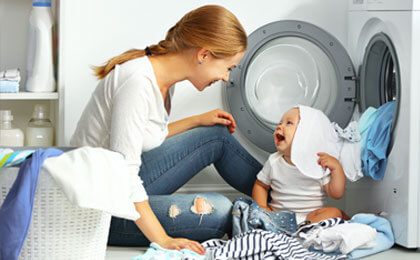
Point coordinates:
pixel 380 79
pixel 289 63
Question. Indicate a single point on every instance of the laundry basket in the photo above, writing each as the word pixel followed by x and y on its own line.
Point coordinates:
pixel 59 230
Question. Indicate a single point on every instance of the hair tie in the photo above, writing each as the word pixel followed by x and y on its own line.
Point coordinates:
pixel 148 52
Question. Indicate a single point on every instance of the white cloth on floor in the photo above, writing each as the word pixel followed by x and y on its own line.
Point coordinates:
pixel 10 74
pixel 315 133
pixel 95 178
pixel 347 237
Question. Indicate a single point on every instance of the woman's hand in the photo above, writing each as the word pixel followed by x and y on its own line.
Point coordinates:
pixel 180 243
pixel 217 116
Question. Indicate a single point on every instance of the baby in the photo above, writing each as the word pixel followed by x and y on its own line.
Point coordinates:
pixel 291 189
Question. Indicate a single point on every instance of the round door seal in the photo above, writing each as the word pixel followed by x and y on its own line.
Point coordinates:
pixel 251 125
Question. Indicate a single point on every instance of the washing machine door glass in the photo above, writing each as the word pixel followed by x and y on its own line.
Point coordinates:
pixel 285 72
pixel 289 63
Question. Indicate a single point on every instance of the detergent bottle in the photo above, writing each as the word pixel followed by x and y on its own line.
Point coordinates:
pixel 9 136
pixel 40 69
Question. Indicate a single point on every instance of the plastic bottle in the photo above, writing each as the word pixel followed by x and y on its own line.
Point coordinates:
pixel 39 131
pixel 40 69
pixel 9 136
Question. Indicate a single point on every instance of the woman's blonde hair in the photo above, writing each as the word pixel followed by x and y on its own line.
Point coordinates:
pixel 211 27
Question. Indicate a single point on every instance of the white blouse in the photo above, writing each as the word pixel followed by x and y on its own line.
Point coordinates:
pixel 126 114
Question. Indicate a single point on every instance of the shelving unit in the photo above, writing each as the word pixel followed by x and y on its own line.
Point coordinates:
pixel 13 54
pixel 29 96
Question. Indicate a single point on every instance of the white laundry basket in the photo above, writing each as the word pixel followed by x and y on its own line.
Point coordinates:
pixel 59 230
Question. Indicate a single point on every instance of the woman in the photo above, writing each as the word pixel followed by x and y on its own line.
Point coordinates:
pixel 128 113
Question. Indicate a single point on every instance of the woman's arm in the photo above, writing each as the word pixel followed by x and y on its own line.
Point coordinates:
pixel 213 117
pixel 260 194
pixel 153 230
pixel 335 188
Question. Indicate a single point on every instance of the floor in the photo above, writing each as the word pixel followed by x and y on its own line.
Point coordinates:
pixel 395 253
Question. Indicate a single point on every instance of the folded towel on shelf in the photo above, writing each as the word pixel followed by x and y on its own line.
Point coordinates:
pixel 10 74
pixel 7 86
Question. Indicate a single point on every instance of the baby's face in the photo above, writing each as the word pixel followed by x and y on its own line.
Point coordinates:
pixel 285 131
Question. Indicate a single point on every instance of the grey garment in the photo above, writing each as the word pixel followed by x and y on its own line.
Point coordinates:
pixel 248 215
pixel 259 244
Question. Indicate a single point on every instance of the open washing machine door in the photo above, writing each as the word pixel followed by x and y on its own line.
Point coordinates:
pixel 380 78
pixel 289 63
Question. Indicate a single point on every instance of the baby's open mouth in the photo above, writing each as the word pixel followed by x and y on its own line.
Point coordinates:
pixel 279 137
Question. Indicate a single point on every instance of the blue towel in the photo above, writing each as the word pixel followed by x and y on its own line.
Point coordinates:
pixel 384 236
pixel 9 86
pixel 374 156
pixel 157 252
pixel 16 211
pixel 365 122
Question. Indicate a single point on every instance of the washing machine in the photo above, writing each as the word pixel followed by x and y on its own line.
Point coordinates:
pixel 291 62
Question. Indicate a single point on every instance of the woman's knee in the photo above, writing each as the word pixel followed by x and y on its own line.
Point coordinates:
pixel 216 131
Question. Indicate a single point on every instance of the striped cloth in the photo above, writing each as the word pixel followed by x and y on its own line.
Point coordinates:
pixel 260 244
pixel 9 158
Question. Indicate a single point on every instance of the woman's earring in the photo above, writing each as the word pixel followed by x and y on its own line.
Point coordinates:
pixel 200 62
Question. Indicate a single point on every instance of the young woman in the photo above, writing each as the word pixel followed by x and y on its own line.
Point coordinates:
pixel 128 113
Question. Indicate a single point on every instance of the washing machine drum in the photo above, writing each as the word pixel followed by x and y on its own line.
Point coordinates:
pixel 289 63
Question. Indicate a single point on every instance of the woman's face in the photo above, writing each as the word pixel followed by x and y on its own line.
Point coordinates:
pixel 212 70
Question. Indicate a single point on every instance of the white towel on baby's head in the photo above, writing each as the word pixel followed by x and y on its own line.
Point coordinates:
pixel 315 133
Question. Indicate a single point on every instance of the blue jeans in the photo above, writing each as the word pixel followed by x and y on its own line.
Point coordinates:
pixel 168 167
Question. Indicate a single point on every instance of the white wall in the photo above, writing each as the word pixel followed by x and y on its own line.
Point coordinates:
pixel 95 30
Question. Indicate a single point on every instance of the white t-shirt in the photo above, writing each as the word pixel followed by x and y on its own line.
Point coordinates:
pixel 291 190
pixel 126 114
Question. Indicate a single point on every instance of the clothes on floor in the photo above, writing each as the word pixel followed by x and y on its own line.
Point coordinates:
pixel 384 236
pixel 291 190
pixel 260 244
pixel 248 215
pixel 374 157
pixel 335 234
pixel 315 133
pixel 347 237
pixel 9 158
pixel 97 178
pixel 16 210
pixel 156 252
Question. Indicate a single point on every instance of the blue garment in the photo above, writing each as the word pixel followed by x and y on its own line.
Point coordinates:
pixel 9 86
pixel 16 210
pixel 365 122
pixel 168 167
pixel 248 215
pixel 374 156
pixel 159 253
pixel 384 236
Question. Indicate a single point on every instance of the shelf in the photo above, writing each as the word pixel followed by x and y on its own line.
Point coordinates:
pixel 28 96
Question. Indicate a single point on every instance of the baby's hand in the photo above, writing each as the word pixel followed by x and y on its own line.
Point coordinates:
pixel 328 161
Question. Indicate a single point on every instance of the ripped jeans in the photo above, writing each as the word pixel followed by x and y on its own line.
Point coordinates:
pixel 168 167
